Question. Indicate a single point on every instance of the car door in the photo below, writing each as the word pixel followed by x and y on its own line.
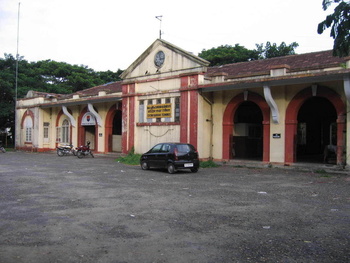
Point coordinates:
pixel 163 156
pixel 152 155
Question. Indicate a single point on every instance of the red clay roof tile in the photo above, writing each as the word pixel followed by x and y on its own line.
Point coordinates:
pixel 112 87
pixel 315 60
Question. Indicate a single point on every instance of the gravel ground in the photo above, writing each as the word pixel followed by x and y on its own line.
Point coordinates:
pixel 65 209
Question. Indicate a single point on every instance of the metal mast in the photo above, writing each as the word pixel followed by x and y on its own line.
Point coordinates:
pixel 160 26
pixel 16 81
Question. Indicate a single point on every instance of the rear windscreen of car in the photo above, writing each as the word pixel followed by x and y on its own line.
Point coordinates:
pixel 183 148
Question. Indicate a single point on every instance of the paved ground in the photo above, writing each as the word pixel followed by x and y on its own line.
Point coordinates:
pixel 65 209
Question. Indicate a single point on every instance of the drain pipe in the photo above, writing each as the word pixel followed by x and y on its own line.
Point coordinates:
pixel 272 104
pixel 347 87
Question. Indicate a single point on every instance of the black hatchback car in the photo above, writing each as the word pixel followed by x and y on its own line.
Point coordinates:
pixel 171 156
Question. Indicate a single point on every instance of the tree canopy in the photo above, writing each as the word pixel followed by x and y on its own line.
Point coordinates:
pixel 339 22
pixel 272 50
pixel 227 54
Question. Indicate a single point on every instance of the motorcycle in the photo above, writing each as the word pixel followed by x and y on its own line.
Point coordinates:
pixel 2 149
pixel 67 149
pixel 84 150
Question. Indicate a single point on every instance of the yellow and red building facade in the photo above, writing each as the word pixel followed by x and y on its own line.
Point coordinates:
pixel 282 110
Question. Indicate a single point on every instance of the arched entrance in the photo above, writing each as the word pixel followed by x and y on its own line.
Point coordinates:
pixel 247 139
pixel 315 129
pixel 87 129
pixel 251 114
pixel 113 129
pixel 314 102
pixel 27 130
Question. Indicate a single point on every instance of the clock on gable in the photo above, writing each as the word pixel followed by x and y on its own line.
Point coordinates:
pixel 159 59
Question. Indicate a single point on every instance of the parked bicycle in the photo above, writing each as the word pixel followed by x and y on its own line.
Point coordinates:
pixel 84 150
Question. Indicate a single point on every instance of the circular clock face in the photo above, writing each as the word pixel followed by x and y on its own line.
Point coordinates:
pixel 159 58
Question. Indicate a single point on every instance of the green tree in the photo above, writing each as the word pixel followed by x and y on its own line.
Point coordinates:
pixel 227 54
pixel 109 76
pixel 339 22
pixel 272 50
pixel 7 91
pixel 61 77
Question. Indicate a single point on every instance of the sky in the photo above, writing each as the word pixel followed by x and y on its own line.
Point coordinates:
pixel 112 34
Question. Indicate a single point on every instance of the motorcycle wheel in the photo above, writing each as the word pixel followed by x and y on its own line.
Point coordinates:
pixel 80 154
pixel 60 153
pixel 2 149
pixel 74 152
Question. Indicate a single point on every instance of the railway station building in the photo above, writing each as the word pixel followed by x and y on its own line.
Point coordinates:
pixel 281 110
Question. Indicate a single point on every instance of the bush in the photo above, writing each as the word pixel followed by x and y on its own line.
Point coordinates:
pixel 208 164
pixel 131 158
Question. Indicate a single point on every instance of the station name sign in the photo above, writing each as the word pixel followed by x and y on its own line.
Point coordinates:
pixel 159 111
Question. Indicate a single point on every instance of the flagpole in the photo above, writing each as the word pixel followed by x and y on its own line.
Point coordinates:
pixel 16 85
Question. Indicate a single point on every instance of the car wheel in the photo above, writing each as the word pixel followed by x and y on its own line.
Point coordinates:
pixel 194 170
pixel 144 165
pixel 171 168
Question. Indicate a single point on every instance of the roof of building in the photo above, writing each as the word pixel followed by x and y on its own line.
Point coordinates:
pixel 33 93
pixel 294 63
pixel 112 87
pixel 308 61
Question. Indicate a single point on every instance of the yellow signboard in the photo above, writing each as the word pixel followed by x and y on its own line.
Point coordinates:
pixel 159 111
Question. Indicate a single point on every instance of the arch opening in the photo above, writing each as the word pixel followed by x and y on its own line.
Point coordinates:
pixel 113 129
pixel 87 129
pixel 247 136
pixel 316 130
pixel 117 132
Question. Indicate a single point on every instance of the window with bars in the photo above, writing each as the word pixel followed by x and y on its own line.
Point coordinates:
pixel 28 128
pixel 65 131
pixel 141 111
pixel 177 109
pixel 167 100
pixel 62 132
pixel 46 130
pixel 149 102
pixel 159 101
pixel 58 134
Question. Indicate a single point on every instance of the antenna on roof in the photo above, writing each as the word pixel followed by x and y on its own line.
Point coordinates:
pixel 160 26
